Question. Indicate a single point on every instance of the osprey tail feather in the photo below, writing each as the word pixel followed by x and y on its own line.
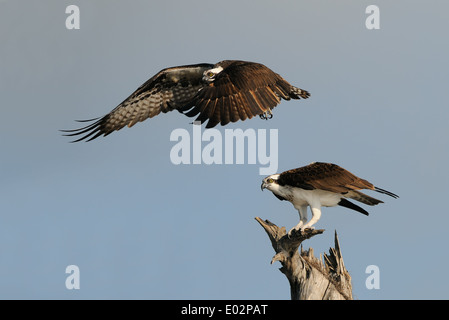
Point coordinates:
pixel 391 194
pixel 363 198
pixel 299 92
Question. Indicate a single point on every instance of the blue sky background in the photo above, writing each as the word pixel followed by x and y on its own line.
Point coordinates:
pixel 139 227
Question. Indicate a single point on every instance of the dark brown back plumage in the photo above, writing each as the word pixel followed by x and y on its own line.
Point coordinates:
pixel 333 178
pixel 241 91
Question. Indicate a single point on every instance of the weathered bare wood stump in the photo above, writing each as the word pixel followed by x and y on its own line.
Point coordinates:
pixel 310 278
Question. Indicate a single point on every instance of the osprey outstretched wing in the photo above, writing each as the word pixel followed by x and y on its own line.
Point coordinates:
pixel 228 91
pixel 321 184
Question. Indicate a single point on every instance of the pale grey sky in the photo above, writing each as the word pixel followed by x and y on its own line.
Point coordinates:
pixel 139 226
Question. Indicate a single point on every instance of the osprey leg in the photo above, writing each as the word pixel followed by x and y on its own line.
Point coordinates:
pixel 302 219
pixel 266 115
pixel 316 215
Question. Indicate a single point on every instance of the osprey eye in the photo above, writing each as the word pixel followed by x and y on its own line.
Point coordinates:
pixel 210 74
pixel 270 180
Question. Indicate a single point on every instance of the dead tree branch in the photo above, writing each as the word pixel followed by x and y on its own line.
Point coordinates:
pixel 310 278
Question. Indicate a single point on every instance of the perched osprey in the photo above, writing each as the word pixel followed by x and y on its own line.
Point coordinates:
pixel 320 184
pixel 228 91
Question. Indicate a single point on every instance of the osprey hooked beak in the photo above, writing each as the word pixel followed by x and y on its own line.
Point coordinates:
pixel 209 75
pixel 267 182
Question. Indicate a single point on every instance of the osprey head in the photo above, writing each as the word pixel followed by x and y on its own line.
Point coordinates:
pixel 270 182
pixel 209 75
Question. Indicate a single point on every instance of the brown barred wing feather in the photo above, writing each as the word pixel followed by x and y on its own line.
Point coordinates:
pixel 170 89
pixel 239 92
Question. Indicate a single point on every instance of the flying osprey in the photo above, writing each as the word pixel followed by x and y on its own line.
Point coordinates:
pixel 228 91
pixel 320 184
